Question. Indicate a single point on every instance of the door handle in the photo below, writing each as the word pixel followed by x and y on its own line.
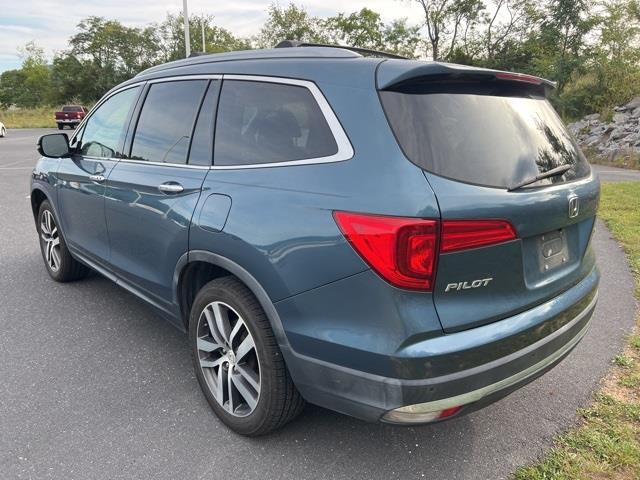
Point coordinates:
pixel 170 188
pixel 97 178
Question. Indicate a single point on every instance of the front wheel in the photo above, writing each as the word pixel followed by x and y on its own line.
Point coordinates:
pixel 61 266
pixel 237 360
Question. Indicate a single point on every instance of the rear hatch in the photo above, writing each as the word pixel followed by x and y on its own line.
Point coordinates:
pixel 478 135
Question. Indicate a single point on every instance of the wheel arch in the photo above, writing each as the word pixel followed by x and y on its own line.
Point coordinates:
pixel 37 197
pixel 220 266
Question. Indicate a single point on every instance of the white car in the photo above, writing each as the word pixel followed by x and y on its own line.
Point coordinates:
pixel 3 130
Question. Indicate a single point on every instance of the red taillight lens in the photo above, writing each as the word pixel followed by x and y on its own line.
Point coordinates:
pixel 463 234
pixel 401 250
pixel 404 250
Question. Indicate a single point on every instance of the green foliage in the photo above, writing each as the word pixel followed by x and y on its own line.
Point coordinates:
pixel 29 86
pixel 610 74
pixel 290 23
pixel 365 29
pixel 217 39
pixel 591 48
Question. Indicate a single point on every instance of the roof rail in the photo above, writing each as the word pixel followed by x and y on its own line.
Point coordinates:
pixel 363 51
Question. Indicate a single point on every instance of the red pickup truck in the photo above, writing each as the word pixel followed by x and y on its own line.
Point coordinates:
pixel 70 115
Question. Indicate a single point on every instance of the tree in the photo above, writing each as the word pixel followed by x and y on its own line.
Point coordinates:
pixel 290 23
pixel 217 39
pixel 365 29
pixel 30 86
pixel 562 37
pixel 444 20
pixel 11 91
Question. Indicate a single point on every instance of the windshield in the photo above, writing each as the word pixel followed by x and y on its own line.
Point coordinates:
pixel 489 140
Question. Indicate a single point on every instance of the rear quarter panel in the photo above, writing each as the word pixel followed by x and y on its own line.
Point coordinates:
pixel 280 225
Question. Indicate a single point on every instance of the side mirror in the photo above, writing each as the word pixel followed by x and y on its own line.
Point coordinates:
pixel 54 145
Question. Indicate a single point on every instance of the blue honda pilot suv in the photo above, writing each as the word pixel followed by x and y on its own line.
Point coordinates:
pixel 401 241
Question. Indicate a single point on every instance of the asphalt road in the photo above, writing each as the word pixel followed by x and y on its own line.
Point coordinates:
pixel 95 385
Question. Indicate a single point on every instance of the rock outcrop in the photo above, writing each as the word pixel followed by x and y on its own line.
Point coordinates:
pixel 610 139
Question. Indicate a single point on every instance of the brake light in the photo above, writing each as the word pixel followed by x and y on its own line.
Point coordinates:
pixel 464 234
pixel 404 250
pixel 519 77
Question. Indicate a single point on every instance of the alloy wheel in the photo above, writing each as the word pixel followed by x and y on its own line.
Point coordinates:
pixel 228 359
pixel 51 238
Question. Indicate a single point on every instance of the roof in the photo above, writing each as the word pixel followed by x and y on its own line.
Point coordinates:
pixel 265 54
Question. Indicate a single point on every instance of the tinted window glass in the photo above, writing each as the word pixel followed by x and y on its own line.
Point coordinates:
pixel 166 121
pixel 489 140
pixel 72 109
pixel 104 131
pixel 202 144
pixel 261 122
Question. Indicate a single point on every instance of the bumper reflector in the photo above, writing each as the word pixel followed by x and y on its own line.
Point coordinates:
pixel 415 414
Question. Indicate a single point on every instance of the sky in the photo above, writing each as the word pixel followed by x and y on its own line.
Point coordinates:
pixel 50 23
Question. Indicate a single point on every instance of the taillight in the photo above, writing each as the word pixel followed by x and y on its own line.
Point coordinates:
pixel 464 234
pixel 404 250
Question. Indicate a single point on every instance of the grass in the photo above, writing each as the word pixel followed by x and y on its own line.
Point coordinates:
pixel 41 117
pixel 606 444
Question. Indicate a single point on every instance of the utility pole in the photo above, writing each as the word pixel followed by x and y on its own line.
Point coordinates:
pixel 187 40
pixel 204 45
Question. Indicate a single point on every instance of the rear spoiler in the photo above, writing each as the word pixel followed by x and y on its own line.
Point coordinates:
pixel 395 73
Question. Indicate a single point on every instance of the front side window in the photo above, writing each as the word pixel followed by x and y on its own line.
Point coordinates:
pixel 263 122
pixel 103 133
pixel 166 121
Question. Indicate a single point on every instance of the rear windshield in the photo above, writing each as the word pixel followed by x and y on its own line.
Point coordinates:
pixel 71 109
pixel 488 140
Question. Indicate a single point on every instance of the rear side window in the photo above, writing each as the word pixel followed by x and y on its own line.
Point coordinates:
pixel 263 122
pixel 488 140
pixel 166 121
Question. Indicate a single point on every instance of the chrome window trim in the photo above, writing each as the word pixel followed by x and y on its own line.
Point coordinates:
pixel 177 78
pixel 165 164
pixel 345 149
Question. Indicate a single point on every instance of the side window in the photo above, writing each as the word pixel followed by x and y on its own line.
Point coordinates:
pixel 104 131
pixel 263 122
pixel 202 144
pixel 166 121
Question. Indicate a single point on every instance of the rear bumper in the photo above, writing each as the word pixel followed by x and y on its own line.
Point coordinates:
pixel 371 397
pixel 68 120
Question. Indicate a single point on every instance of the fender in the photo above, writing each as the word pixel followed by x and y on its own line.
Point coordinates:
pixel 54 206
pixel 244 276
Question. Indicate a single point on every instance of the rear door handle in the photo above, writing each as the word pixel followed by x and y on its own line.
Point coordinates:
pixel 171 188
pixel 97 178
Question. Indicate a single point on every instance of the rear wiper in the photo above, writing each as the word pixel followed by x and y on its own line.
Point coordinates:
pixel 554 172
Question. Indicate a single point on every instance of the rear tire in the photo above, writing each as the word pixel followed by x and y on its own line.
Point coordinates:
pixel 3 132
pixel 60 126
pixel 60 265
pixel 248 387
